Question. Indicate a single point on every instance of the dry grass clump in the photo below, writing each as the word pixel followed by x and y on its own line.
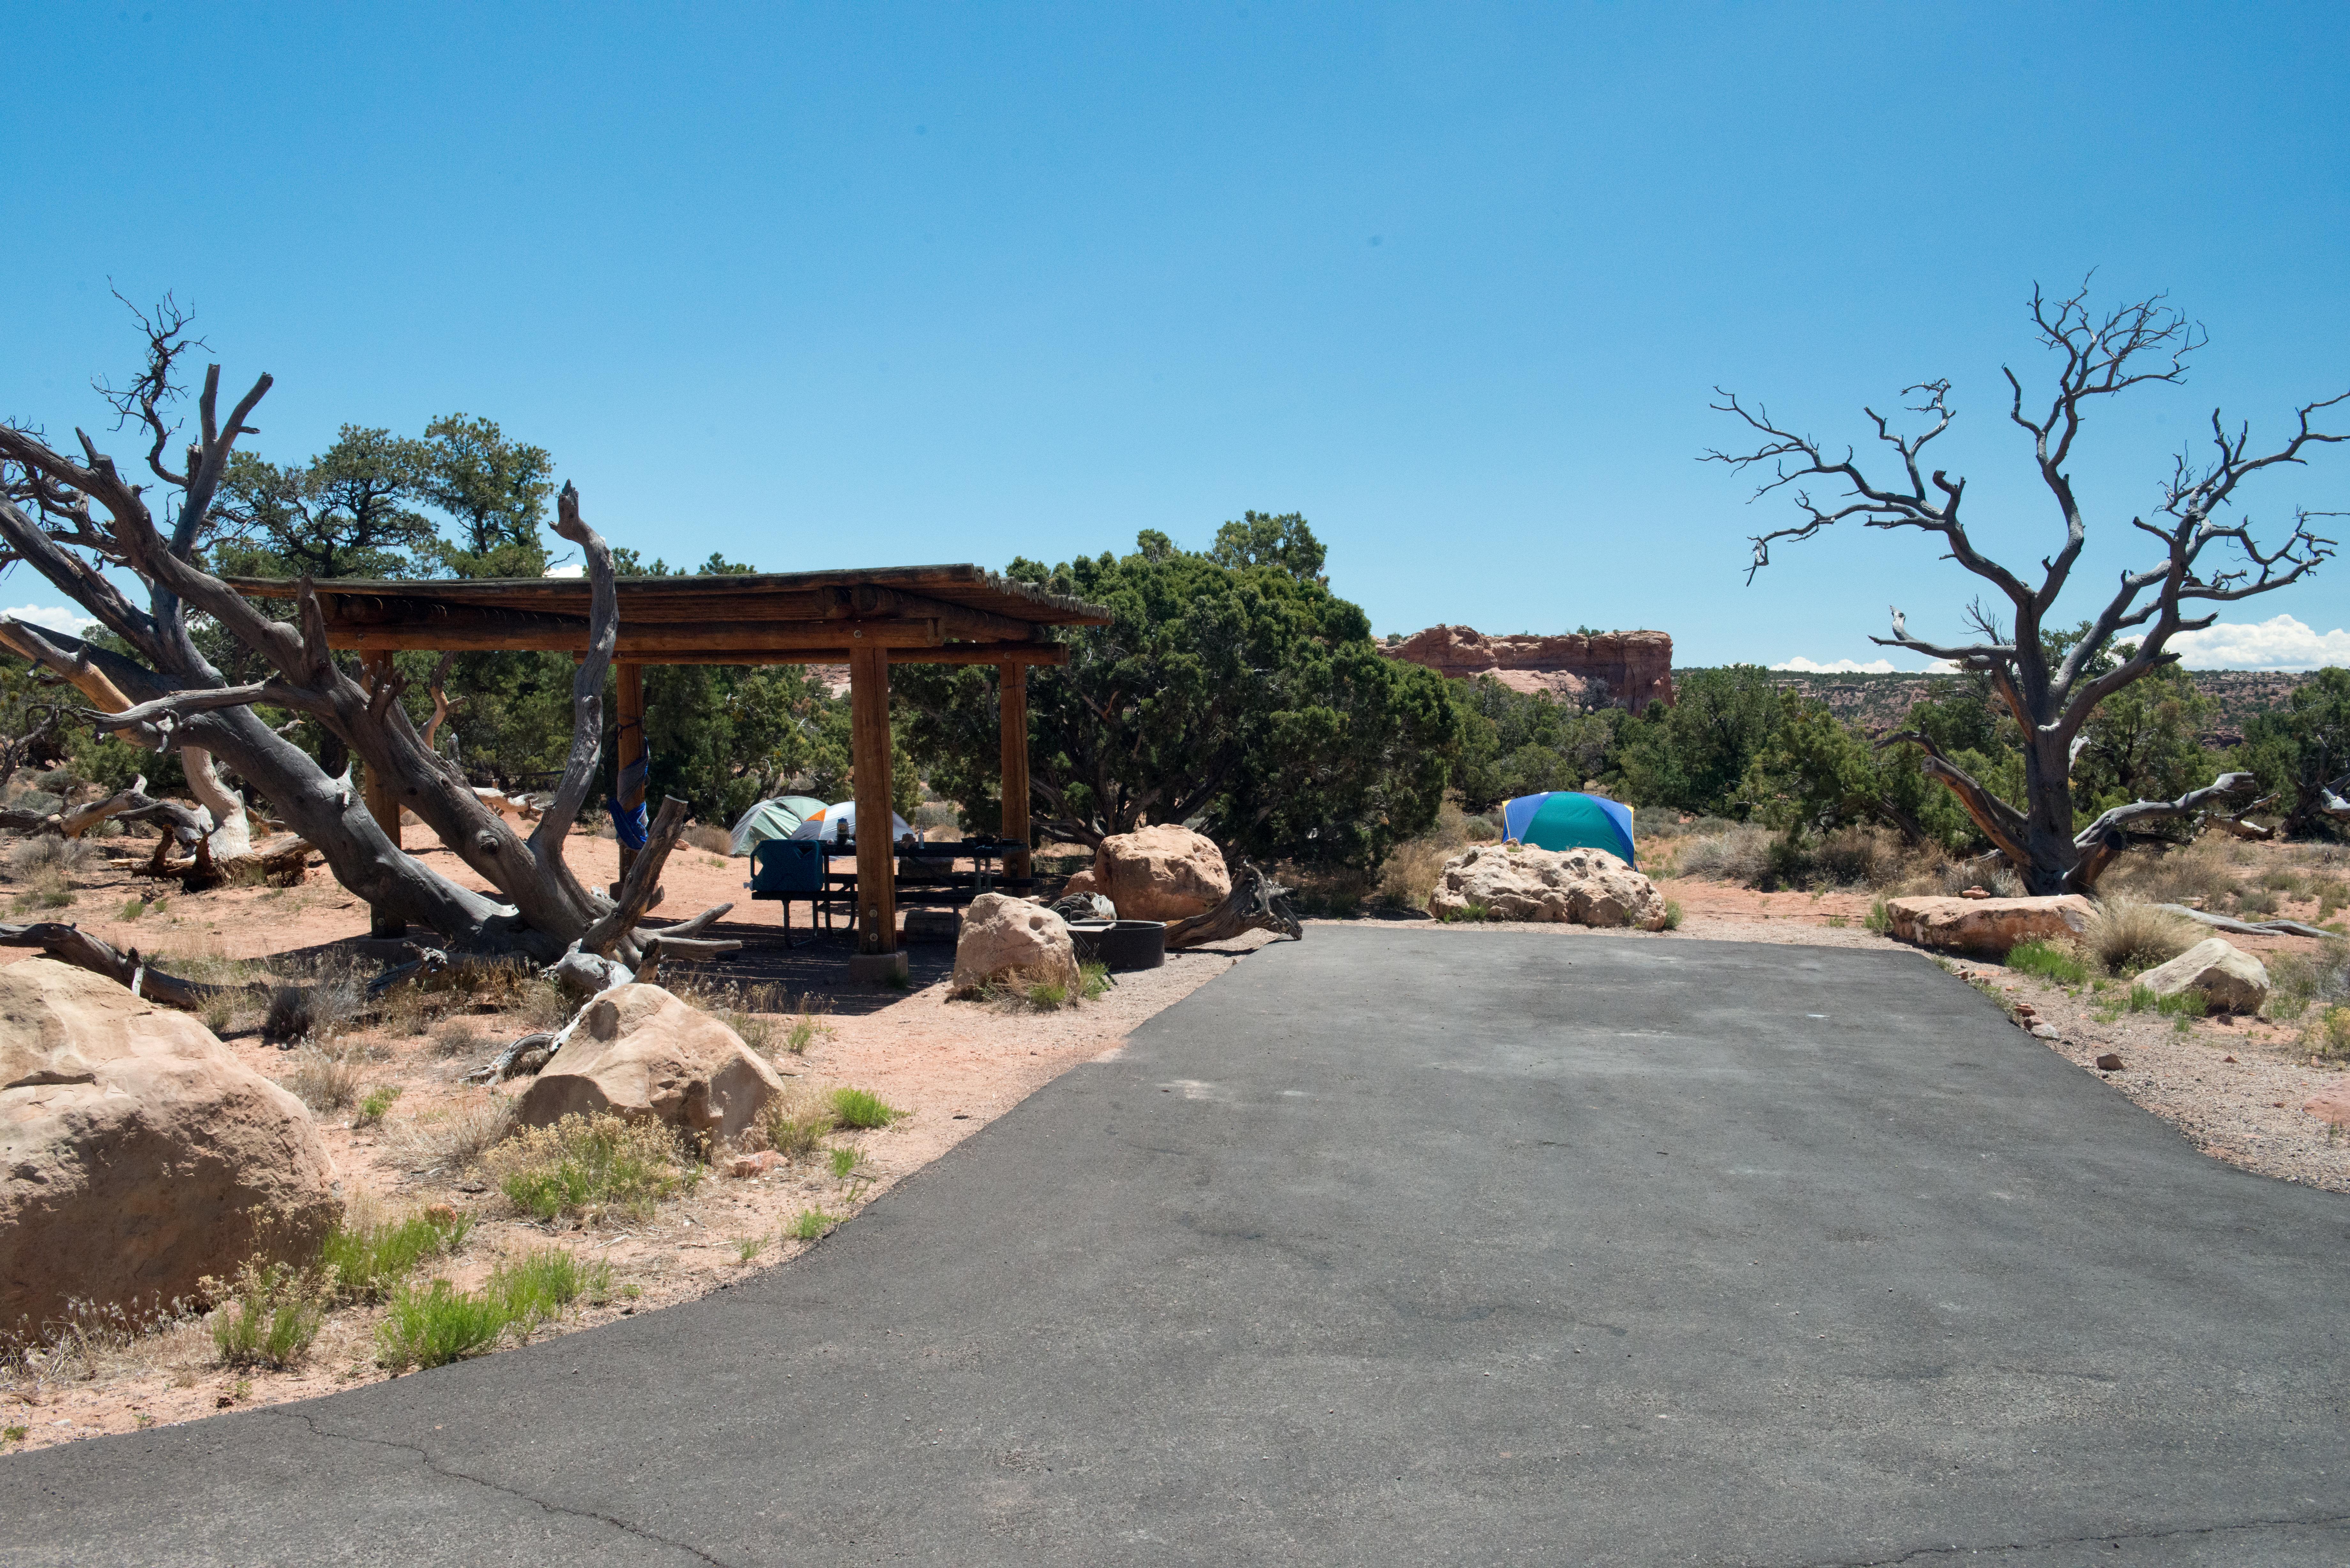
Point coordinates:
pixel 50 852
pixel 315 1008
pixel 450 1139
pixel 325 1081
pixel 1739 854
pixel 2202 872
pixel 705 835
pixel 2125 935
pixel 457 1034
pixel 1411 872
pixel 745 1009
pixel 2298 981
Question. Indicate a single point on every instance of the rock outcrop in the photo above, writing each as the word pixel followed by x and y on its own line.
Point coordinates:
pixel 2232 980
pixel 1628 669
pixel 1585 887
pixel 639 1052
pixel 1162 872
pixel 137 1154
pixel 1008 938
pixel 1986 925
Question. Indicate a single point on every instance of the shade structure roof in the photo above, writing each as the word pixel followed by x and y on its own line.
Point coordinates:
pixel 952 613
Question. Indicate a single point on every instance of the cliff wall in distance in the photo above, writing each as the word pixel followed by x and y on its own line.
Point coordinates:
pixel 1629 669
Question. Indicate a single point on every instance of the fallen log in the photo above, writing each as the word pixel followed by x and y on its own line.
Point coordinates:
pixel 2249 927
pixel 70 944
pixel 1256 903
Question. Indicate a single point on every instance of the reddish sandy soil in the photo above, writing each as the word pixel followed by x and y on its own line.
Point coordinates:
pixel 951 1066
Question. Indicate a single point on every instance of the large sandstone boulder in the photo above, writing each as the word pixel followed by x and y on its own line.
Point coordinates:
pixel 2232 980
pixel 638 1052
pixel 1585 887
pixel 1162 872
pixel 1008 938
pixel 137 1154
pixel 1987 925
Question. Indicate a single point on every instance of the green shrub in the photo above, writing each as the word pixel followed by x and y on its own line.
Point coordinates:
pixel 270 1317
pixel 1672 915
pixel 2048 960
pixel 1094 981
pixel 2329 1034
pixel 536 1287
pixel 861 1110
pixel 436 1326
pixel 810 1224
pixel 369 1258
pixel 795 1124
pixel 591 1167
pixel 843 1160
pixel 2298 980
pixel 1880 919
pixel 2186 1005
pixel 1045 995
pixel 133 909
pixel 374 1103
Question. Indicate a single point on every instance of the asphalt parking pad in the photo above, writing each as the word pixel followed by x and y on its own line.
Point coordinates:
pixel 1406 1247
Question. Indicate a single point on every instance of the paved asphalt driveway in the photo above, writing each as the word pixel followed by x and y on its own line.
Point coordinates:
pixel 1398 1247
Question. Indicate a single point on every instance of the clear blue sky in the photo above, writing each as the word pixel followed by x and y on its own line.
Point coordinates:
pixel 849 285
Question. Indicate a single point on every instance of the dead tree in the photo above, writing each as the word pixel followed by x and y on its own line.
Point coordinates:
pixel 1256 903
pixel 2051 696
pixel 79 521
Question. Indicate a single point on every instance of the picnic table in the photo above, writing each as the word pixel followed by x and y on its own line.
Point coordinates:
pixel 788 870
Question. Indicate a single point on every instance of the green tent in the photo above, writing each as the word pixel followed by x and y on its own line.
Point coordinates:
pixel 775 818
pixel 1567 819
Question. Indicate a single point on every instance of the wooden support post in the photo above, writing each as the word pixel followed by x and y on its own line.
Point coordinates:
pixel 1012 681
pixel 630 679
pixel 382 800
pixel 878 957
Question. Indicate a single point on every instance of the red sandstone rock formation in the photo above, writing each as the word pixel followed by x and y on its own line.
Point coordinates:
pixel 1637 666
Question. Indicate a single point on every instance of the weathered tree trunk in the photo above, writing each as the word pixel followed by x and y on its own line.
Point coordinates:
pixel 1256 903
pixel 71 944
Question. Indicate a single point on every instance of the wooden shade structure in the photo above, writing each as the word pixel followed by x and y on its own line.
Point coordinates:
pixel 867 619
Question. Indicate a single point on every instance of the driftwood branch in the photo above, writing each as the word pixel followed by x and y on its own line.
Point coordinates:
pixel 2249 927
pixel 2114 832
pixel 1256 903
pixel 638 886
pixel 71 944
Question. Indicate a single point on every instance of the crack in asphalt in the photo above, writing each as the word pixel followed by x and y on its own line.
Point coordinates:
pixel 437 1468
pixel 1924 1553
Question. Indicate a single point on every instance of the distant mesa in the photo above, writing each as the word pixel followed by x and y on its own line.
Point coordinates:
pixel 1633 669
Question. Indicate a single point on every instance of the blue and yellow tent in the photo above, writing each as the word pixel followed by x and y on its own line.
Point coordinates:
pixel 1563 819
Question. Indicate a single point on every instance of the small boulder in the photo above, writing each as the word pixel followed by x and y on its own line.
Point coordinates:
pixel 746 1166
pixel 137 1154
pixel 1004 937
pixel 1986 925
pixel 1162 872
pixel 2109 1062
pixel 2230 979
pixel 640 1053
pixel 1585 887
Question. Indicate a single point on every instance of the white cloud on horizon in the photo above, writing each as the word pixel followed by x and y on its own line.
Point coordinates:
pixel 2279 642
pixel 56 618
